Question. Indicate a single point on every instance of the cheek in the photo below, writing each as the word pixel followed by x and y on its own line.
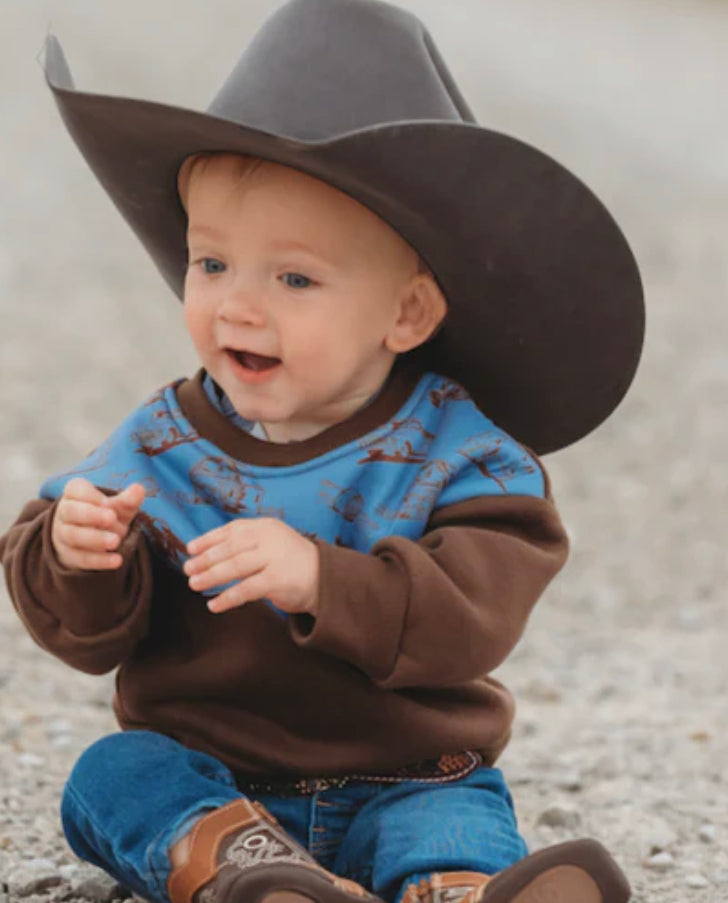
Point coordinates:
pixel 197 320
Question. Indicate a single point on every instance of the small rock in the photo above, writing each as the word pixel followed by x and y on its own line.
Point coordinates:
pixel 541 691
pixel 94 884
pixel 59 726
pixel 68 871
pixel 30 759
pixel 707 833
pixel 522 777
pixel 697 882
pixel 33 877
pixel 559 817
pixel 571 781
pixel 658 835
pixel 606 767
pixel 660 862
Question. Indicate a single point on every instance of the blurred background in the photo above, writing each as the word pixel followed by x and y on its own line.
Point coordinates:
pixel 627 652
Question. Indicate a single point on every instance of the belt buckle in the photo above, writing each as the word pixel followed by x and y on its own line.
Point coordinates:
pixel 319 785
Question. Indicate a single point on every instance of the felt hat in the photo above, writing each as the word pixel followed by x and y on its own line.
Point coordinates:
pixel 545 310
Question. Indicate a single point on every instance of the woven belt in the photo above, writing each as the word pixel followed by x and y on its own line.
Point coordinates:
pixel 447 768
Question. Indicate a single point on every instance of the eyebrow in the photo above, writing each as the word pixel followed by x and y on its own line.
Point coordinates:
pixel 283 245
pixel 209 231
pixel 293 245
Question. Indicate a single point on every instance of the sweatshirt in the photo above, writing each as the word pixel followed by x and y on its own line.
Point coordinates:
pixel 436 533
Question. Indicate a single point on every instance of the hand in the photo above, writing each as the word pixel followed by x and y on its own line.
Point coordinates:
pixel 88 525
pixel 268 558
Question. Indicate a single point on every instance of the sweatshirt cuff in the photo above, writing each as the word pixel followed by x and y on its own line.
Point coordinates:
pixel 88 603
pixel 361 610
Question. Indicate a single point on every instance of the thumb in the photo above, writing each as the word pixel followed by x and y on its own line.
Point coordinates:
pixel 127 502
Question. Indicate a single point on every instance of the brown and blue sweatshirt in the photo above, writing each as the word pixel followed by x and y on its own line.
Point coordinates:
pixel 412 620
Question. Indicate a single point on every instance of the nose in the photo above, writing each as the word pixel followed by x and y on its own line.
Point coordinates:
pixel 242 304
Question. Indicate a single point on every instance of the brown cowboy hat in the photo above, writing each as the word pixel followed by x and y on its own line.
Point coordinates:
pixel 546 316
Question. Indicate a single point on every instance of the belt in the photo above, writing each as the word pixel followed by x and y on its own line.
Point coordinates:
pixel 450 767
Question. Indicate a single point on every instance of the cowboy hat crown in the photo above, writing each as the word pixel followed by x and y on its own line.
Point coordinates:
pixel 319 68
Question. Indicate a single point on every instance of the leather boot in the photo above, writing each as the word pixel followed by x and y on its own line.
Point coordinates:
pixel 240 854
pixel 580 871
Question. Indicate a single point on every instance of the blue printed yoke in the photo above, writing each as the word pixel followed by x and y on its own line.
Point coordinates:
pixel 438 449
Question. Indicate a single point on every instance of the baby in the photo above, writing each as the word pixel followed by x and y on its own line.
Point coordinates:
pixel 306 560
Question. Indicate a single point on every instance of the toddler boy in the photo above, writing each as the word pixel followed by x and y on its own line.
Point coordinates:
pixel 306 560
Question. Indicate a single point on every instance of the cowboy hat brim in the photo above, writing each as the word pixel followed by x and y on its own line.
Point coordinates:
pixel 546 318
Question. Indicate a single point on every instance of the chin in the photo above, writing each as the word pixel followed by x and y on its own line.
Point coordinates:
pixel 257 413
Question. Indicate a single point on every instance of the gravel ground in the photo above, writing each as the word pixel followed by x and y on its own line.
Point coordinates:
pixel 622 730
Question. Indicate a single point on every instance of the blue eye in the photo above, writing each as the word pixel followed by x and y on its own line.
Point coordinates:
pixel 211 266
pixel 296 280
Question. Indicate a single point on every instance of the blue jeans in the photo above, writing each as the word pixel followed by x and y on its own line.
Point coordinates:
pixel 132 795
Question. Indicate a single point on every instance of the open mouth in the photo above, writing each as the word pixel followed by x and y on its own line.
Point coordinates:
pixel 255 362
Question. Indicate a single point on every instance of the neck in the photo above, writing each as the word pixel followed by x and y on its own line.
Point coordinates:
pixel 300 429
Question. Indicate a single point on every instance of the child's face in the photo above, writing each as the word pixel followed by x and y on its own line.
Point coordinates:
pixel 284 266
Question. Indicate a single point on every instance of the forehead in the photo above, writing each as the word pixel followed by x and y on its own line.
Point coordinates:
pixel 246 194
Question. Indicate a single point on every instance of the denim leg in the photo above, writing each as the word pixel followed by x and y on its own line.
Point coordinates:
pixel 131 796
pixel 294 815
pixel 330 815
pixel 410 830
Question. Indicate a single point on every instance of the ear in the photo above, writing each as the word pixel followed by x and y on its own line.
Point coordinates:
pixel 421 310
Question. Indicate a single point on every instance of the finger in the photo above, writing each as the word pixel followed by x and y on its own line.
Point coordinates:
pixel 125 505
pixel 213 537
pixel 249 590
pixel 239 567
pixel 84 514
pixel 81 490
pixel 87 539
pixel 93 561
pixel 219 552
pixel 207 540
pixel 127 502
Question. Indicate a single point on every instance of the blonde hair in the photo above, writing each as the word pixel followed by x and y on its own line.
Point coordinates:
pixel 195 166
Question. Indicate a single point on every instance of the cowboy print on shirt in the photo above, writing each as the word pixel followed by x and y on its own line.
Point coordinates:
pixel 438 450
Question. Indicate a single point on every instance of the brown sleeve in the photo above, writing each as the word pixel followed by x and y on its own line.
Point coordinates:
pixel 445 609
pixel 90 619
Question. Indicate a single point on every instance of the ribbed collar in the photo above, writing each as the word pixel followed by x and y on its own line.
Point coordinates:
pixel 213 425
